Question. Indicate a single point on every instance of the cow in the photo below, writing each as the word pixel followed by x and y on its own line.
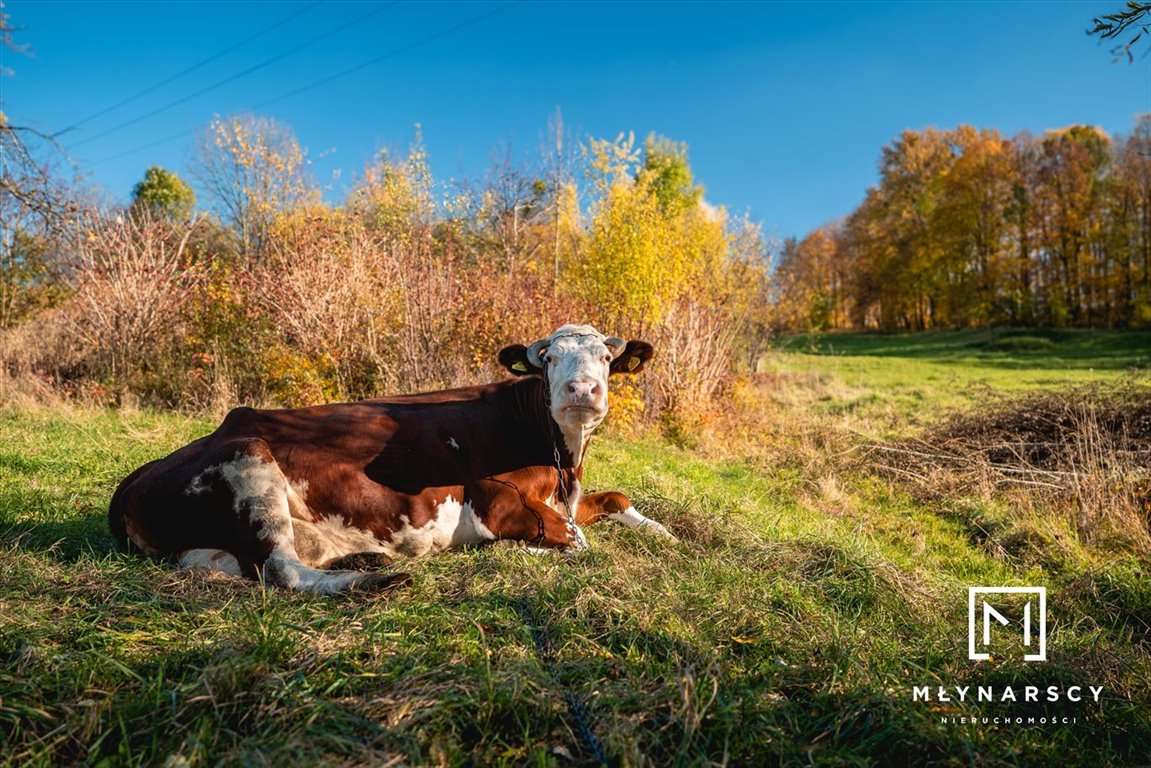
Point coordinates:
pixel 320 498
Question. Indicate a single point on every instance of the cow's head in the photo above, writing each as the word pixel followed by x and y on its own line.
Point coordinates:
pixel 575 362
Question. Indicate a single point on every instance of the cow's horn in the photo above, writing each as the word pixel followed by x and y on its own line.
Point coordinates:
pixel 536 351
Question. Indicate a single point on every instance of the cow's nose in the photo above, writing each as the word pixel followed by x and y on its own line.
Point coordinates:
pixel 584 389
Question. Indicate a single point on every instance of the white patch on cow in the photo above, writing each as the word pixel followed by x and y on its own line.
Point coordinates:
pixel 318 542
pixel 576 439
pixel 455 525
pixel 297 500
pixel 633 519
pixel 575 493
pixel 452 442
pixel 209 559
pixel 300 488
pixel 198 484
pixel 260 489
pixel 284 571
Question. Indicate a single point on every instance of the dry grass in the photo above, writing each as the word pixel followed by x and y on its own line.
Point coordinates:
pixel 1084 452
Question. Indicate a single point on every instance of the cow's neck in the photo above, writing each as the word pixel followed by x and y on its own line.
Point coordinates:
pixel 576 442
pixel 536 412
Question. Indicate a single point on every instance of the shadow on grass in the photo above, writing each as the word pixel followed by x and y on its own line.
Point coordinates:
pixel 64 540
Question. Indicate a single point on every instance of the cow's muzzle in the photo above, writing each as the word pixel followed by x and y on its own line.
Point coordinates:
pixel 584 393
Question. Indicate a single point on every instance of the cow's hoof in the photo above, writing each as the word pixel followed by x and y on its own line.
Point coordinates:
pixel 382 582
pixel 360 561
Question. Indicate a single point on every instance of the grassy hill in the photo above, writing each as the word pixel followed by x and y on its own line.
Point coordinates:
pixel 821 578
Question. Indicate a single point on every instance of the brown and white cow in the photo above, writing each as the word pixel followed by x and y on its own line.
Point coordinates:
pixel 306 498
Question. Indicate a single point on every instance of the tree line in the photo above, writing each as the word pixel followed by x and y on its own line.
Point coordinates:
pixel 968 228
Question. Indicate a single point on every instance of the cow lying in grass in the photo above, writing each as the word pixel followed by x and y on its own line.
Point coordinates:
pixel 307 498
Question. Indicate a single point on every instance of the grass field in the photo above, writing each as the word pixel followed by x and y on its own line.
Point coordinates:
pixel 810 594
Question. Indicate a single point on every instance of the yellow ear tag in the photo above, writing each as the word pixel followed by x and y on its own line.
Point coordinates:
pixel 519 366
pixel 633 363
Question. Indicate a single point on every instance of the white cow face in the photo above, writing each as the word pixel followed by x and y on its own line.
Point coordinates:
pixel 575 362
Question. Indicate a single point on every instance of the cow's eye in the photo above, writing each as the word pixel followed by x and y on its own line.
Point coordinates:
pixel 549 359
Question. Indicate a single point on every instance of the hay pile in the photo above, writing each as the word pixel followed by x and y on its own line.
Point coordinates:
pixel 1085 448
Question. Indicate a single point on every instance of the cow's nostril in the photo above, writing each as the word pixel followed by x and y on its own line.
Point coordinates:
pixel 584 389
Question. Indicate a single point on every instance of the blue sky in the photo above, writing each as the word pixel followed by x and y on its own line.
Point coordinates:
pixel 784 106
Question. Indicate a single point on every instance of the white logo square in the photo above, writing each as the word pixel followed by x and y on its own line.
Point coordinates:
pixel 989 613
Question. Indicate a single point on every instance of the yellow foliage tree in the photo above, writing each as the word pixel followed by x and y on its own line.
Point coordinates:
pixel 252 168
pixel 642 254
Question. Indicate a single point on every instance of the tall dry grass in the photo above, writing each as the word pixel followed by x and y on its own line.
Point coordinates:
pixel 1082 453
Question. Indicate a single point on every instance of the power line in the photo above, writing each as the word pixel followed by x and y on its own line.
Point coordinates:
pixel 237 76
pixel 390 54
pixel 183 72
pixel 328 79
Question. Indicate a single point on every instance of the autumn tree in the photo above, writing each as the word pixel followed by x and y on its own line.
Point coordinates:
pixel 1073 163
pixel 560 162
pixel 651 240
pixel 907 261
pixel 509 216
pixel 809 281
pixel 747 299
pixel 251 168
pixel 1131 223
pixel 397 196
pixel 969 225
pixel 667 172
pixel 967 228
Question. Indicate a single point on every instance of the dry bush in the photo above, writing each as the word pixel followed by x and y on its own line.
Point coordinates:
pixel 129 285
pixel 694 343
pixel 380 297
pixel 331 292
pixel 1085 451
pixel 358 311
pixel 431 297
pixel 501 308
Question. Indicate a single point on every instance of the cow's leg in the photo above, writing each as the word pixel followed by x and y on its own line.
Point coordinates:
pixel 259 494
pixel 510 515
pixel 616 506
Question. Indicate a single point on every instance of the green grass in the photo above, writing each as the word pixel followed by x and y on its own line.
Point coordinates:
pixel 1005 348
pixel 910 378
pixel 787 627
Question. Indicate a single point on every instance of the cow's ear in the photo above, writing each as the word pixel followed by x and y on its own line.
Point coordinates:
pixel 515 359
pixel 631 360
